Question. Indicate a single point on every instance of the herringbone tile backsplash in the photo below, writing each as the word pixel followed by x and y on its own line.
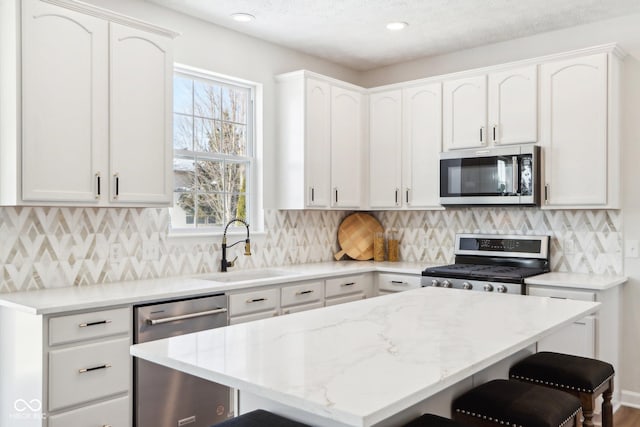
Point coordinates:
pixel 47 247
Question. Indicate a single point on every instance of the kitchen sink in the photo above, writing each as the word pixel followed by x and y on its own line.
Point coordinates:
pixel 244 276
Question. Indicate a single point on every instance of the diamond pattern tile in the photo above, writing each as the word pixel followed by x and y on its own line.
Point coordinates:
pixel 49 247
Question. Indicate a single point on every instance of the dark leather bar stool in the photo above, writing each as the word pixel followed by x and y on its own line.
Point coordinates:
pixel 583 377
pixel 260 418
pixel 430 420
pixel 516 404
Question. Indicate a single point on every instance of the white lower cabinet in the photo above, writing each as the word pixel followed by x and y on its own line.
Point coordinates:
pixel 348 288
pixel 114 413
pixel 390 283
pixel 235 320
pixel 303 307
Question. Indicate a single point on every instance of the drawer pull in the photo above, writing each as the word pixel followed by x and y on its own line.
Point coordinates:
pixel 397 282
pixel 95 368
pixel 348 284
pixel 101 322
pixel 310 291
pixel 185 316
pixel 558 297
pixel 249 301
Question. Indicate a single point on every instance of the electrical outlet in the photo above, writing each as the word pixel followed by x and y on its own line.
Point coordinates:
pixel 115 253
pixel 631 248
pixel 150 250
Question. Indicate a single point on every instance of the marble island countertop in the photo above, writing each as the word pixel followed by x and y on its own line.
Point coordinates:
pixel 360 363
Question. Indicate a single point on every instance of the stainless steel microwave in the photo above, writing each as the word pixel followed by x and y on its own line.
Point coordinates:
pixel 495 176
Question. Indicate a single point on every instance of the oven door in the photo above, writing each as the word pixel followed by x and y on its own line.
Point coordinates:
pixel 490 177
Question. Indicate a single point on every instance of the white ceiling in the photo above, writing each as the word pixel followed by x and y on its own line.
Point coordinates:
pixel 353 33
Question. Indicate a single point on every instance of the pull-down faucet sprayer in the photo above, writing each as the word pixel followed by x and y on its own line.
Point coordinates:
pixel 247 245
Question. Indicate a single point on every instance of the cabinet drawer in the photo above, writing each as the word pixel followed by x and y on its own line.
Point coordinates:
pixel 397 282
pixel 84 326
pixel 86 372
pixel 344 299
pixel 304 307
pixel 344 285
pixel 301 294
pixel 251 317
pixel 250 302
pixel 561 293
pixel 114 413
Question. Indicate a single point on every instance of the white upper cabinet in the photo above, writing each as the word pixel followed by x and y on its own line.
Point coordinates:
pixel 318 143
pixel 95 117
pixel 346 147
pixel 385 149
pixel 421 145
pixel 140 110
pixel 581 154
pixel 513 106
pixel 465 113
pixel 64 100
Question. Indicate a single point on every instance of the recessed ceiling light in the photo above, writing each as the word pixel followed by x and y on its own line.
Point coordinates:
pixel 243 17
pixel 396 26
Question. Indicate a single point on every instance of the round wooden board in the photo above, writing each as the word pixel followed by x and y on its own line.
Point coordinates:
pixel 355 236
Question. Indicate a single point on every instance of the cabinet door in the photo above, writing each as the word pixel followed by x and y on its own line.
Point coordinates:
pixel 577 339
pixel 141 124
pixel 465 113
pixel 64 97
pixel 574 131
pixel 385 149
pixel 346 147
pixel 513 106
pixel 422 143
pixel 318 143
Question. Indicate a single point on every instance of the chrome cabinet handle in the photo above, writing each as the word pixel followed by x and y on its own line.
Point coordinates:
pixel 185 316
pixel 99 322
pixel 514 174
pixel 95 368
pixel 249 301
pixel 305 292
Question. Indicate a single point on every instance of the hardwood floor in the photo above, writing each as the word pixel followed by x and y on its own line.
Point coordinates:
pixel 626 417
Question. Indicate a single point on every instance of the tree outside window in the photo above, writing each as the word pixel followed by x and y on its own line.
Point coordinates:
pixel 213 152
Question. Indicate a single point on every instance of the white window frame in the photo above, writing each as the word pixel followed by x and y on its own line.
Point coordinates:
pixel 254 139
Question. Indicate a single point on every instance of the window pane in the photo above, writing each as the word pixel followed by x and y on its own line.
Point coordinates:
pixel 207 135
pixel 182 132
pixel 235 177
pixel 182 212
pixel 207 100
pixel 183 175
pixel 182 95
pixel 210 177
pixel 210 210
pixel 234 139
pixel 234 104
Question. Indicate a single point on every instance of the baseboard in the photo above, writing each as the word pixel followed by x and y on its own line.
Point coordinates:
pixel 630 398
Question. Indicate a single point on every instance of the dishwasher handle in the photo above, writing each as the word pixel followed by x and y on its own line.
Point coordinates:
pixel 185 316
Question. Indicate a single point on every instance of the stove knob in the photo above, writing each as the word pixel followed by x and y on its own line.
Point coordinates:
pixel 488 287
pixel 502 289
pixel 446 284
pixel 434 282
pixel 468 286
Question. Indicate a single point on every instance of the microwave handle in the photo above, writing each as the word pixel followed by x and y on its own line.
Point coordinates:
pixel 515 173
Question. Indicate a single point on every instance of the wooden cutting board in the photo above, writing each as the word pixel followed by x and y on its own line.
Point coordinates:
pixel 355 236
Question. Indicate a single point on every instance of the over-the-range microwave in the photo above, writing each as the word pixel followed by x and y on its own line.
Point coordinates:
pixel 492 176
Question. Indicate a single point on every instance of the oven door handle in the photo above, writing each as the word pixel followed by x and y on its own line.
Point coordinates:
pixel 185 316
pixel 515 175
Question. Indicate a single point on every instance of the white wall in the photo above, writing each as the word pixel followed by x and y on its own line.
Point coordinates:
pixel 220 50
pixel 626 32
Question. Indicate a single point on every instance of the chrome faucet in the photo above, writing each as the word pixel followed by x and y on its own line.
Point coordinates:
pixel 247 245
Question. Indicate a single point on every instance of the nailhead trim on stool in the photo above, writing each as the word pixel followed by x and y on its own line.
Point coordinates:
pixel 430 420
pixel 260 418
pixel 516 404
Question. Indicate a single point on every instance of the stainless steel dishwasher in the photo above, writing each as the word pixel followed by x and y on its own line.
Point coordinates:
pixel 164 397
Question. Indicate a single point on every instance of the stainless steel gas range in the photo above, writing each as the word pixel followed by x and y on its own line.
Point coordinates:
pixel 492 263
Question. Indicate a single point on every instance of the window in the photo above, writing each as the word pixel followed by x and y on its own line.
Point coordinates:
pixel 214 150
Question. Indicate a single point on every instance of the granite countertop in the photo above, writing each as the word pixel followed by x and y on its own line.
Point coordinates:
pixel 360 363
pixel 60 300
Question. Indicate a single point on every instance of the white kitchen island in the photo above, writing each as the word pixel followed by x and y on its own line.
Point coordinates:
pixel 377 362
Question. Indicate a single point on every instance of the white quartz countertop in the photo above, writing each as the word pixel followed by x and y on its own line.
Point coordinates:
pixel 577 280
pixel 60 300
pixel 362 362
